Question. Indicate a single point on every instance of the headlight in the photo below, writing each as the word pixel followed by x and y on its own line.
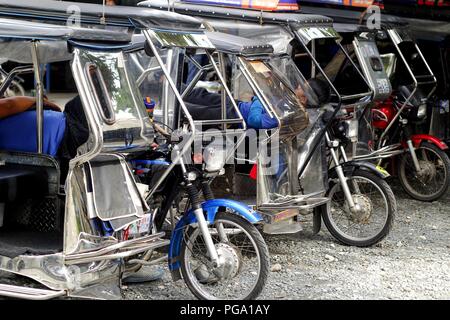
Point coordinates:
pixel 214 158
pixel 352 131
pixel 422 112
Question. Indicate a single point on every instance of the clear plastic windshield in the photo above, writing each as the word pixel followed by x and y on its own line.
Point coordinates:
pixel 284 102
pixel 153 85
pixel 278 182
pixel 312 180
pixel 285 66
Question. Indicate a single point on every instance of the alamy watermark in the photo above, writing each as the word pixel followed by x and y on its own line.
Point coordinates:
pixel 373 14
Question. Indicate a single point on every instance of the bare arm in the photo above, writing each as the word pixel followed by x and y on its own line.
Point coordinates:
pixel 14 105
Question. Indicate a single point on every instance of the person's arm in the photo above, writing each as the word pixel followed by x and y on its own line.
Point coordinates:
pixel 254 119
pixel 14 105
pixel 258 118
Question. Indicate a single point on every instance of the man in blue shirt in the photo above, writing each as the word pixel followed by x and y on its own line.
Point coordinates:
pixel 255 115
pixel 204 105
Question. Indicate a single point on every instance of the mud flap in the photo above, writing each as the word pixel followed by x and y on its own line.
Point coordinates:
pixel 317 220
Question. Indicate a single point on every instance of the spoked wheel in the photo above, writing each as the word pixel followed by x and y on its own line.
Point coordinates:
pixel 432 181
pixel 244 258
pixel 371 219
pixel 15 89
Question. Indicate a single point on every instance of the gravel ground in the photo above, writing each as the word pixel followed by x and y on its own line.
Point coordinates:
pixel 413 262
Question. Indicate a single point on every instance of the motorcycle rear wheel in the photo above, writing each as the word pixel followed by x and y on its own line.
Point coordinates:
pixel 243 281
pixel 433 183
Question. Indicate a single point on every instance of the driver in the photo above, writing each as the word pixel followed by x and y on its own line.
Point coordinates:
pixel 320 88
pixel 204 105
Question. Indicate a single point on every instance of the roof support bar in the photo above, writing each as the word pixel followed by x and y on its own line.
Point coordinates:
pixel 39 97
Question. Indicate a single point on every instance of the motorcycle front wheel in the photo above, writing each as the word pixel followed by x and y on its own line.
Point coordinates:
pixel 373 218
pixel 244 255
pixel 431 182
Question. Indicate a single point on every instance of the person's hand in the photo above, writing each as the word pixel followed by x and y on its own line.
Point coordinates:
pixel 51 105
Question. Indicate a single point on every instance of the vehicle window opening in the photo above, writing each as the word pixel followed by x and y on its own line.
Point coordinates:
pixel 101 93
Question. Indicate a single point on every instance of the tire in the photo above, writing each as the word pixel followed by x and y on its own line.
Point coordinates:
pixel 391 209
pixel 15 89
pixel 404 174
pixel 258 242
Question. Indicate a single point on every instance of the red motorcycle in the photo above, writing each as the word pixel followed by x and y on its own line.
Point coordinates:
pixel 419 160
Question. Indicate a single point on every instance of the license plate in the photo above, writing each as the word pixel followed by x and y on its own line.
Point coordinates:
pixel 141 226
pixel 286 214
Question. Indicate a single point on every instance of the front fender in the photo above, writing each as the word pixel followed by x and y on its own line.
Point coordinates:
pixel 351 166
pixel 418 138
pixel 210 208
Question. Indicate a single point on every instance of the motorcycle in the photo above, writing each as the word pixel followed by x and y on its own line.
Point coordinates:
pixel 10 87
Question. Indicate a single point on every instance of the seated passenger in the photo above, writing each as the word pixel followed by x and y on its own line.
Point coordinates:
pixel 18 125
pixel 320 88
pixel 204 105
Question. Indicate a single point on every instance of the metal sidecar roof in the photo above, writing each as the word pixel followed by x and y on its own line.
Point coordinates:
pixel 124 16
pixel 228 43
pixel 295 18
pixel 55 41
pixel 21 29
pixel 349 21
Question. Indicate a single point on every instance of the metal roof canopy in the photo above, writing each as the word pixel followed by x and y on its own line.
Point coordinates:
pixel 124 16
pixel 209 10
pixel 22 29
pixel 349 21
pixel 232 44
pixel 55 41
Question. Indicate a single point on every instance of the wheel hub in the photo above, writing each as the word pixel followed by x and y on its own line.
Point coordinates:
pixel 363 210
pixel 427 171
pixel 229 261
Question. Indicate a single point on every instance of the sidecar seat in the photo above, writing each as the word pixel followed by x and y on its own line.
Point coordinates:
pixel 18 132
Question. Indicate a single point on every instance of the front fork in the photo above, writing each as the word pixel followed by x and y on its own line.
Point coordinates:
pixel 199 215
pixel 407 133
pixel 412 151
pixel 340 173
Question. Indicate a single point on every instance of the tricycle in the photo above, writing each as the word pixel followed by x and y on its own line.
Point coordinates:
pixel 75 218
pixel 301 184
pixel 395 128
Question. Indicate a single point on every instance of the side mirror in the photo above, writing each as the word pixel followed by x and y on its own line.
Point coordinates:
pixel 381 35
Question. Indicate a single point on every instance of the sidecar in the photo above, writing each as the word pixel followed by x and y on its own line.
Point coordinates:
pixel 71 210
